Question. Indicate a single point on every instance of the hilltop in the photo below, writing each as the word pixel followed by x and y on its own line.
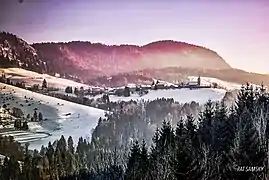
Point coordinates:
pixel 87 60
pixel 15 52
pixel 80 57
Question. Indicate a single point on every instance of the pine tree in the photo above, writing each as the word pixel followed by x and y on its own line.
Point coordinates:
pixel 62 145
pixel 50 153
pixel 43 151
pixel 206 124
pixel 44 84
pixel 182 158
pixel 71 167
pixel 70 145
pixel 224 129
pixel 6 170
pixel 27 168
pixel 245 99
pixel 40 116
pixel 81 152
pixel 167 136
pixel 25 126
pixel 59 163
pixel 35 173
pixel 224 135
pixel 161 152
pixel 45 167
pixel 76 91
pixel 144 161
pixel 113 172
pixel 191 131
pixel 69 89
pixel 13 168
pixel 35 116
pixel 132 171
pixel 248 148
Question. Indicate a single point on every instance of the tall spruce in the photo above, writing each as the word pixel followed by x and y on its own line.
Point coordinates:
pixel 132 171
pixel 206 129
pixel 181 159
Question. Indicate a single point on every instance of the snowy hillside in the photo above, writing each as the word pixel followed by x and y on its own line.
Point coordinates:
pixel 222 84
pixel 30 78
pixel 63 117
pixel 180 95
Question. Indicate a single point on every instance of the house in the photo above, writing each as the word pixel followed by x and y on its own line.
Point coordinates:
pixel 158 85
pixel 119 91
pixel 111 92
pixel 194 84
pixel 57 75
pixel 94 91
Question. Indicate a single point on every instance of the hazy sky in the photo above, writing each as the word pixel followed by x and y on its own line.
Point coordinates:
pixel 236 29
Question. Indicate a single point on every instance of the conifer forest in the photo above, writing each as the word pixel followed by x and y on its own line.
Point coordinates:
pixel 221 143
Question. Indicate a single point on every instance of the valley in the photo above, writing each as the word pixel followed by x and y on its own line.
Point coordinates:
pixel 134 90
pixel 67 118
pixel 99 76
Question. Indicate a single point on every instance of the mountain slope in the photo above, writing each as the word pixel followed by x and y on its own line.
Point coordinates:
pixel 87 59
pixel 90 60
pixel 15 52
pixel 79 123
pixel 179 74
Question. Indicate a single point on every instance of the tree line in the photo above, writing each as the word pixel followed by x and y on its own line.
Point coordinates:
pixel 216 145
pixel 225 144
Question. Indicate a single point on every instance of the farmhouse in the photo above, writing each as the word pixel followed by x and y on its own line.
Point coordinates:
pixel 195 83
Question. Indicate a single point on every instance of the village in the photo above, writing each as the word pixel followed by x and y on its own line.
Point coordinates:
pixel 80 95
pixel 129 89
pixel 144 89
pixel 126 91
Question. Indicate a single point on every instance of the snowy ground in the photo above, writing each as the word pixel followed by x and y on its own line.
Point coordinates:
pixel 179 95
pixel 80 122
pixel 30 78
pixel 23 136
pixel 185 95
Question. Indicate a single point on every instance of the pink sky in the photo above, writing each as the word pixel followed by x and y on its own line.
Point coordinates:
pixel 236 29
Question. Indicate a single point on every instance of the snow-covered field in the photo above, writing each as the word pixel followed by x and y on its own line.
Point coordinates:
pixel 24 136
pixel 179 95
pixel 185 95
pixel 30 78
pixel 80 122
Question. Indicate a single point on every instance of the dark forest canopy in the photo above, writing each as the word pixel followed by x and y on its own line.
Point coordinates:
pixel 225 144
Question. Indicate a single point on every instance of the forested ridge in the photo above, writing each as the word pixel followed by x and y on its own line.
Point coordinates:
pixel 220 144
